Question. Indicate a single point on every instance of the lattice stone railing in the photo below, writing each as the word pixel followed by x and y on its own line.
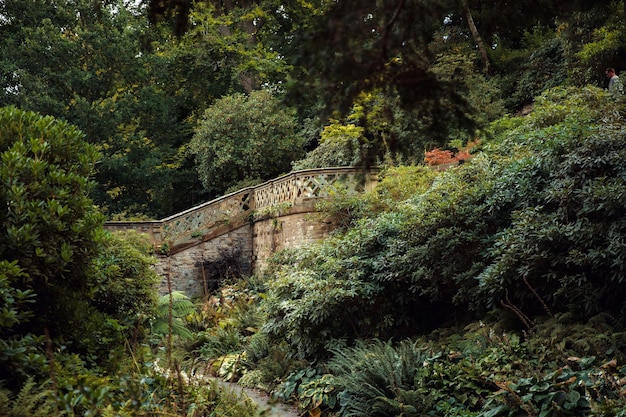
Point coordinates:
pixel 236 209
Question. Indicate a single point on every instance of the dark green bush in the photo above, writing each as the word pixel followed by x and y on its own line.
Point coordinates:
pixel 534 224
pixel 562 250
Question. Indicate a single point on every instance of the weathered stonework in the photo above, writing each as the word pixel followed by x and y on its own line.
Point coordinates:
pixel 195 270
pixel 290 230
pixel 237 234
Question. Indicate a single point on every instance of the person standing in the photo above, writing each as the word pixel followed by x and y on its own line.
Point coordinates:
pixel 615 86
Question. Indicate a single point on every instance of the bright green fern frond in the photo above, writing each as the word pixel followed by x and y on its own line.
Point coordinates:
pixel 181 305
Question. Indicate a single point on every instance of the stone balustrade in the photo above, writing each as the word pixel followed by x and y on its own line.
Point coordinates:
pixel 234 210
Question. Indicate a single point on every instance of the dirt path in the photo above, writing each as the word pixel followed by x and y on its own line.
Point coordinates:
pixel 266 405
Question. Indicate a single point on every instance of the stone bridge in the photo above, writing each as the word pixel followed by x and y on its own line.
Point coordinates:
pixel 235 235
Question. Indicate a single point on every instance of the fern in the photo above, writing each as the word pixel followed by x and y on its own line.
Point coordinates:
pixel 181 307
pixel 408 403
pixel 564 337
pixel 378 379
pixel 31 401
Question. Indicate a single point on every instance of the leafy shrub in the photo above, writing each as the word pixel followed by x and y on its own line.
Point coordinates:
pixel 391 270
pixel 394 185
pixel 559 393
pixel 340 145
pixel 530 229
pixel 561 251
pixel 318 395
pixel 125 283
pixel 528 224
pixel 303 308
pixel 49 234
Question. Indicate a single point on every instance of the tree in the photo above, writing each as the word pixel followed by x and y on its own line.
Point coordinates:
pixel 243 139
pixel 244 40
pixel 99 66
pixel 61 276
pixel 379 129
pixel 348 50
pixel 49 224
pixel 476 35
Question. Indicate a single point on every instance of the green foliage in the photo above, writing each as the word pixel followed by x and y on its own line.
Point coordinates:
pixel 535 224
pixel 339 145
pixel 302 306
pixel 560 248
pixel 561 393
pixel 170 312
pixel 244 137
pixel 228 319
pixel 602 43
pixel 478 371
pixel 377 379
pixel 391 269
pixel 49 221
pixel 99 67
pixel 394 185
pixel 379 130
pixel 213 400
pixel 540 64
pixel 493 373
pixel 13 299
pixel 126 282
pixel 369 48
pixel 61 276
pixel 543 203
pixel 483 97
pixel 50 226
pixel 146 390
pixel 270 366
pixel 30 401
pixel 227 338
pixel 219 342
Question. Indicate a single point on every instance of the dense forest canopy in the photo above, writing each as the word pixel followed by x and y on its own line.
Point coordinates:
pixel 137 77
pixel 492 289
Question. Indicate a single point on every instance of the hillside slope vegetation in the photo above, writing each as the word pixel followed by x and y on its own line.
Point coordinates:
pixel 492 289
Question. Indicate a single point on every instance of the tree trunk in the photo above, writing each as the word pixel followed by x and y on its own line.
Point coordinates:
pixel 479 41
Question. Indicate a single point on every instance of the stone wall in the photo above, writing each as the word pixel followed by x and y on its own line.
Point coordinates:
pixel 291 230
pixel 198 269
pixel 237 234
